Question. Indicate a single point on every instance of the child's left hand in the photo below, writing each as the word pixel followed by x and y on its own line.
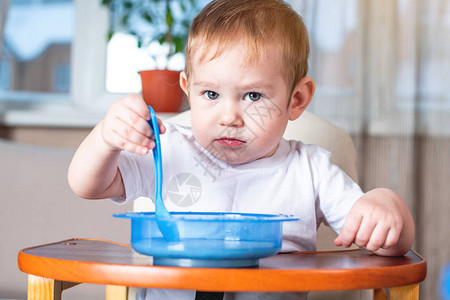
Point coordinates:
pixel 380 222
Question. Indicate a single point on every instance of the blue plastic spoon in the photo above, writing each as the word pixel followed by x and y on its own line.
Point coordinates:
pixel 167 226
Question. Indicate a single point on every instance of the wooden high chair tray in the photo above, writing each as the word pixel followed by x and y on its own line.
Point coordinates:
pixel 109 263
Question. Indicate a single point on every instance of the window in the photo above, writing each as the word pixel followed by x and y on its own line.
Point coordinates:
pixel 37 39
pixel 62 78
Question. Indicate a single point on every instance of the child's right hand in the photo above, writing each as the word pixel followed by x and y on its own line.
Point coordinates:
pixel 125 126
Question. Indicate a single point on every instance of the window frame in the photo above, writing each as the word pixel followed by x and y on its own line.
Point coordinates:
pixel 88 100
pixel 89 50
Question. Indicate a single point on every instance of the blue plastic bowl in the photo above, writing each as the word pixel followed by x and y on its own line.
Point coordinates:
pixel 209 239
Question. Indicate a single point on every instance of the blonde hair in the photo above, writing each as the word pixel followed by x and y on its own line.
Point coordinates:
pixel 260 24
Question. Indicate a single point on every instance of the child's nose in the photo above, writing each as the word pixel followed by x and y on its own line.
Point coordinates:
pixel 231 114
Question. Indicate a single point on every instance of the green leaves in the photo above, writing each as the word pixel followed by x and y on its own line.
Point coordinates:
pixel 165 21
pixel 124 20
pixel 179 43
pixel 128 4
pixel 109 34
pixel 147 16
pixel 169 16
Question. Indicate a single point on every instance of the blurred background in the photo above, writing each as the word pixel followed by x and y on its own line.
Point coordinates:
pixel 381 68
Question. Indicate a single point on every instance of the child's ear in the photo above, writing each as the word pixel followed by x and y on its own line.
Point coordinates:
pixel 183 83
pixel 301 97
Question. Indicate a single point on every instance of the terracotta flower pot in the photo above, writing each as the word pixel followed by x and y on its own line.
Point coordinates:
pixel 161 90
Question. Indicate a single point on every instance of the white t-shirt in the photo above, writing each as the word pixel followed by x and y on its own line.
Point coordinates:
pixel 297 179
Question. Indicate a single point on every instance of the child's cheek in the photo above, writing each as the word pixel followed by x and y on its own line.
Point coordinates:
pixel 260 116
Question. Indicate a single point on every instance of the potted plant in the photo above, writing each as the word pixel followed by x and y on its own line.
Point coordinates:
pixel 162 22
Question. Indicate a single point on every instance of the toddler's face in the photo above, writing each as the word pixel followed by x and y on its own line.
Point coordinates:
pixel 239 111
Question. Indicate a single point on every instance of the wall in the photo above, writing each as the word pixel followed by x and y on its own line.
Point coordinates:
pixel 38 206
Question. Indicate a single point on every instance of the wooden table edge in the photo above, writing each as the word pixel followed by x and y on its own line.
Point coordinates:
pixel 211 279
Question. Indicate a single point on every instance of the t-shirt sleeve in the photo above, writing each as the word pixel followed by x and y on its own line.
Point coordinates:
pixel 137 175
pixel 336 192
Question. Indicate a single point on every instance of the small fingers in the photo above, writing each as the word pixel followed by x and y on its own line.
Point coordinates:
pixel 120 135
pixel 378 237
pixel 382 236
pixel 136 104
pixel 393 236
pixel 349 230
pixel 140 108
pixel 117 141
pixel 135 121
pixel 162 128
pixel 364 232
pixel 126 138
pixel 126 125
pixel 132 135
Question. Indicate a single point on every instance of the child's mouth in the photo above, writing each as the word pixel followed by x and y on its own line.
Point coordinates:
pixel 230 142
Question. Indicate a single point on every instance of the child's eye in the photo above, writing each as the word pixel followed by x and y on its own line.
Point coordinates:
pixel 211 95
pixel 253 96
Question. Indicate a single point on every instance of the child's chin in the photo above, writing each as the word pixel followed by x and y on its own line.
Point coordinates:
pixel 234 159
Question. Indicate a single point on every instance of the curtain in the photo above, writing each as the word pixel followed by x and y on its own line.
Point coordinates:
pixel 382 70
